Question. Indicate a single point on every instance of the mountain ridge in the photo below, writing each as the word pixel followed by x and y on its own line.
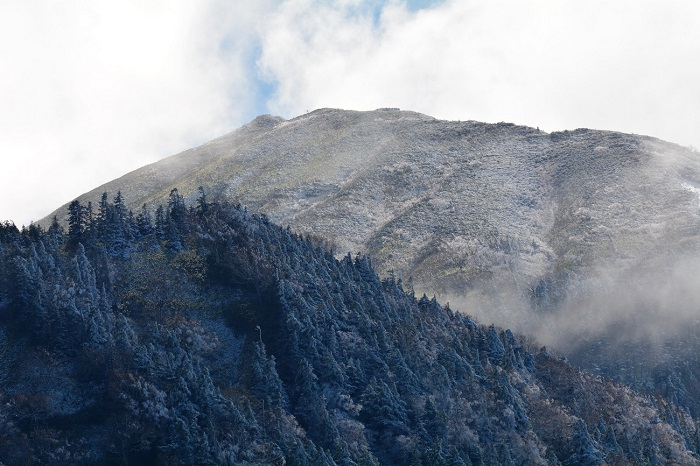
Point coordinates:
pixel 356 182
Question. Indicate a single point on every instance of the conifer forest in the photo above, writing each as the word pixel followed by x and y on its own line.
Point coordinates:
pixel 206 334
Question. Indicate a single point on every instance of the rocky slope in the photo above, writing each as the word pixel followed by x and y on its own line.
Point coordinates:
pixel 458 206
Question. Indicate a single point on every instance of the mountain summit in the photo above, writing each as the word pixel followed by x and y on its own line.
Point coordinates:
pixel 460 207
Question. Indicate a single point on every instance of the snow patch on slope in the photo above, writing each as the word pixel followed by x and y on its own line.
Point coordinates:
pixel 692 187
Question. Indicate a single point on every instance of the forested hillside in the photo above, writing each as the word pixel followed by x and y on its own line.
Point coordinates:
pixel 205 334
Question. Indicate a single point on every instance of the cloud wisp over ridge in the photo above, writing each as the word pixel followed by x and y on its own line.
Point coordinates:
pixel 95 89
pixel 92 90
pixel 621 66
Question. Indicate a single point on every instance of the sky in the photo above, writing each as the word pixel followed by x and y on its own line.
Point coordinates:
pixel 92 89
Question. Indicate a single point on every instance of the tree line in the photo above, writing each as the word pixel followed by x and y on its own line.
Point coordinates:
pixel 209 335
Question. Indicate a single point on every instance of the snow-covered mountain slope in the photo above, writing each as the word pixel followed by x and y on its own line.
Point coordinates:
pixel 464 208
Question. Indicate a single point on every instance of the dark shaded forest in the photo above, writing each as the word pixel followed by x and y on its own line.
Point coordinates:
pixel 205 334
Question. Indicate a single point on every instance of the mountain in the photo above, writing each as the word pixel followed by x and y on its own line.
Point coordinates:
pixel 588 240
pixel 213 336
pixel 457 206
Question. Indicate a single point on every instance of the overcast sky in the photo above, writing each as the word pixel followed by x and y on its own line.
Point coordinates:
pixel 92 89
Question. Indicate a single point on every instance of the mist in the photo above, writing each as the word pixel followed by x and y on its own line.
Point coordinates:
pixel 649 304
pixel 91 91
pixel 619 290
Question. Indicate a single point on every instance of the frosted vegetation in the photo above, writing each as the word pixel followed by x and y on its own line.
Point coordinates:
pixel 587 240
pixel 205 334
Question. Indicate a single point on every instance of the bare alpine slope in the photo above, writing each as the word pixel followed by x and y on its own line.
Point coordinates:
pixel 493 213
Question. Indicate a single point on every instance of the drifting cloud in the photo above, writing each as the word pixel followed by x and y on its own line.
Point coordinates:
pixel 93 89
pixel 628 66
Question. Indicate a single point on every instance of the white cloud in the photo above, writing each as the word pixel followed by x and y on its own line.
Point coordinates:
pixel 92 89
pixel 629 66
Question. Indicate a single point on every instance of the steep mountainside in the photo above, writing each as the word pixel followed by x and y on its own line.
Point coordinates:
pixel 458 206
pixel 587 239
pixel 212 336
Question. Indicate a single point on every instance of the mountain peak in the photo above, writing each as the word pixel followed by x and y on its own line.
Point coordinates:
pixel 265 121
pixel 417 192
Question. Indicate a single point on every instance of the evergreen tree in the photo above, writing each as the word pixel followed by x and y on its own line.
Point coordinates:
pixel 265 382
pixel 176 225
pixel 160 224
pixel 144 221
pixel 202 204
pixel 76 224
pixel 586 452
